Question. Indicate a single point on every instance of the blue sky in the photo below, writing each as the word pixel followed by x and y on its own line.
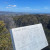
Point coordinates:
pixel 36 6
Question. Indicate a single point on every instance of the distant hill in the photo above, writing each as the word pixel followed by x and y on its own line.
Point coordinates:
pixel 12 13
pixel 20 13
pixel 7 13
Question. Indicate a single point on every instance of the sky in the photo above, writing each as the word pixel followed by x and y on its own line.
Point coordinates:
pixel 35 6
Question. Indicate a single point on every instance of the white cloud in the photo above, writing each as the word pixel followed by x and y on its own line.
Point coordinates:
pixel 29 8
pixel 35 9
pixel 26 8
pixel 45 7
pixel 8 7
pixel 12 5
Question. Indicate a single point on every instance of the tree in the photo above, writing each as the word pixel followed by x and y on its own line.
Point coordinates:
pixel 5 41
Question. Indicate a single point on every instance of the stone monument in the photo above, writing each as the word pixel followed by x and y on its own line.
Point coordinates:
pixel 28 37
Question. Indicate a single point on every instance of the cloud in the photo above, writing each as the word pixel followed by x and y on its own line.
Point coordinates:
pixel 12 5
pixel 26 8
pixel 8 7
pixel 45 7
pixel 35 9
pixel 31 9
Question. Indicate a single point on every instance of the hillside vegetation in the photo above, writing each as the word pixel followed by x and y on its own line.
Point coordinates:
pixel 8 22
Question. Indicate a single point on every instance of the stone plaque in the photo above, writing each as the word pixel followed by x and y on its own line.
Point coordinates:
pixel 29 37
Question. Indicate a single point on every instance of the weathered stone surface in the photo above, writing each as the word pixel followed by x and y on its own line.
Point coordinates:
pixel 29 37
